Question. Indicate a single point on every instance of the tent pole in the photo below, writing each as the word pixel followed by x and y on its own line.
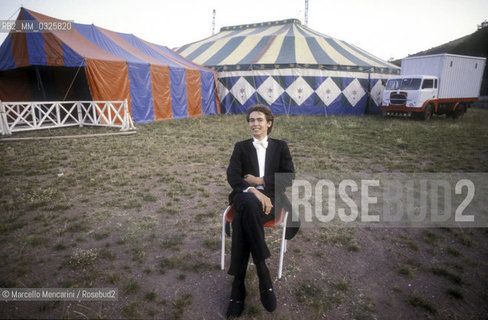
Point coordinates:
pixel 366 110
pixel 39 82
pixel 72 81
pixel 254 82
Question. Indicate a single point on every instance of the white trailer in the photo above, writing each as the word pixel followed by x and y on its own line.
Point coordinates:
pixel 435 84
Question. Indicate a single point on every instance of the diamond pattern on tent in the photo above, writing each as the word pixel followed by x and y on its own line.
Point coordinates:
pixel 354 92
pixel 259 80
pixel 252 81
pixel 222 90
pixel 231 81
pixel 314 82
pixel 341 95
pixel 339 82
pixel 328 91
pixel 299 90
pixel 270 90
pixel 285 81
pixel 242 90
pixel 287 102
pixel 377 92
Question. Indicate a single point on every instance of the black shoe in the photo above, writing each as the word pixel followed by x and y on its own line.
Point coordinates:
pixel 236 304
pixel 235 308
pixel 268 299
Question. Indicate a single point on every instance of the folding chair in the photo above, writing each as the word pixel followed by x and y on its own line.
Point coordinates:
pixel 228 216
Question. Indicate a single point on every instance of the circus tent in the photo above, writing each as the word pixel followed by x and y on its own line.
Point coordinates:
pixel 91 63
pixel 291 68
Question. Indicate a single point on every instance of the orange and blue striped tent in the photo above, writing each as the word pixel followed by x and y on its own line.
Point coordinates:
pixel 292 68
pixel 92 63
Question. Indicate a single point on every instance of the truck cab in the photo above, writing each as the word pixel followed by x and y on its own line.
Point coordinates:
pixel 404 95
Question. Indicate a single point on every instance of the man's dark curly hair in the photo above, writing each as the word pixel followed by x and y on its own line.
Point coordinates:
pixel 264 109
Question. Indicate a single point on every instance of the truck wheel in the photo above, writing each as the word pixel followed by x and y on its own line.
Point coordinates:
pixel 459 112
pixel 428 112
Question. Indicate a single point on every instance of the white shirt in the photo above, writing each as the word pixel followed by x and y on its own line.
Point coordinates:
pixel 261 152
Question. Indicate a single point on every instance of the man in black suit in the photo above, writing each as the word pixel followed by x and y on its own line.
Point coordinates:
pixel 251 174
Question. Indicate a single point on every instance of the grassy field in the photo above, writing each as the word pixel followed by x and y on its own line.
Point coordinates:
pixel 142 214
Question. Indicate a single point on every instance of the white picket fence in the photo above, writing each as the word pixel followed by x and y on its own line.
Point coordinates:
pixel 24 116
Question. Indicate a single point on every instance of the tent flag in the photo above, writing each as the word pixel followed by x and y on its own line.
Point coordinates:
pixel 157 82
pixel 291 68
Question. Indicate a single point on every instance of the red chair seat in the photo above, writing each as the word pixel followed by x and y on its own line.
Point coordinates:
pixel 229 216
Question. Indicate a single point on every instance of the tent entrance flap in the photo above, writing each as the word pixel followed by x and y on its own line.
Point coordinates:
pixel 44 83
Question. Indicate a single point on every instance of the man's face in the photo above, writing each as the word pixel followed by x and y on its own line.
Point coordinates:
pixel 258 125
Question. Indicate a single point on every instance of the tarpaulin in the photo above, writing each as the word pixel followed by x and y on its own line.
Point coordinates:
pixel 108 80
pixel 178 93
pixel 193 92
pixel 209 105
pixel 157 82
pixel 141 92
pixel 7 60
pixel 161 92
pixel 53 48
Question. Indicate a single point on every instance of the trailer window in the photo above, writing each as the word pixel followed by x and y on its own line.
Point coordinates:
pixel 435 84
pixel 428 84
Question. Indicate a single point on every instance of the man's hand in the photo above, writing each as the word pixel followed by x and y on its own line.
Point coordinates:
pixel 254 181
pixel 265 201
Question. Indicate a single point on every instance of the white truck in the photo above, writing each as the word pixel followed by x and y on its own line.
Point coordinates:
pixel 434 84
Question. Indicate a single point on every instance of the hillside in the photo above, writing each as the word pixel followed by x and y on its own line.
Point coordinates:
pixel 475 44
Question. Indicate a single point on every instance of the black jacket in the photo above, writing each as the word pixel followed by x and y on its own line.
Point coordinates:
pixel 244 160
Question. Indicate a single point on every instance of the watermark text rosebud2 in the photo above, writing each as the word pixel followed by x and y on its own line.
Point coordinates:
pixel 396 200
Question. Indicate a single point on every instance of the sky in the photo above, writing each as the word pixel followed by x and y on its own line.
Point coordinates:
pixel 385 28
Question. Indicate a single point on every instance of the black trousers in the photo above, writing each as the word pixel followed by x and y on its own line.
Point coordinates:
pixel 248 233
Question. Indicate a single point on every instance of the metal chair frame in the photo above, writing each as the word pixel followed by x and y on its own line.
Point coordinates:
pixel 228 216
